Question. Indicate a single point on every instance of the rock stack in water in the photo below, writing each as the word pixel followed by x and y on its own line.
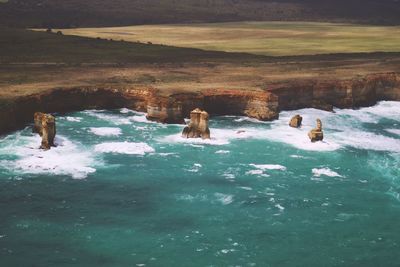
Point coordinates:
pixel 316 134
pixel 198 126
pixel 295 122
pixel 45 126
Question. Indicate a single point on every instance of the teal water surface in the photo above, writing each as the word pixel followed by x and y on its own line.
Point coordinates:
pixel 121 191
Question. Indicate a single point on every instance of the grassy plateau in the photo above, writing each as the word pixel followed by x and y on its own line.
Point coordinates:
pixel 35 61
pixel 262 38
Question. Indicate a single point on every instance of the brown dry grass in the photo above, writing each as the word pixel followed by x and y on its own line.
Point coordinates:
pixel 170 78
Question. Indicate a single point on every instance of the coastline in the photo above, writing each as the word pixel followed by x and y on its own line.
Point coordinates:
pixel 262 104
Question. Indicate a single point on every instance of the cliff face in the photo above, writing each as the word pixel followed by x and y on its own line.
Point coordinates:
pixel 15 112
pixel 353 93
pixel 263 105
pixel 173 109
pixel 259 105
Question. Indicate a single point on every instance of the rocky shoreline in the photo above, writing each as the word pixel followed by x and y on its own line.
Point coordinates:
pixel 263 104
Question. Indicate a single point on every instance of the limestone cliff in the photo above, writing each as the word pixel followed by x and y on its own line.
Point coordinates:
pixel 45 126
pixel 264 104
pixel 316 134
pixel 174 108
pixel 357 92
pixel 198 126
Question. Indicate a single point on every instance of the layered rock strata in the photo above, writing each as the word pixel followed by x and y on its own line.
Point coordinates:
pixel 316 134
pixel 260 104
pixel 45 126
pixel 174 108
pixel 357 92
pixel 198 126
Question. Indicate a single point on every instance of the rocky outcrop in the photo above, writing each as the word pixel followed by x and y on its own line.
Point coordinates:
pixel 15 112
pixel 37 123
pixel 296 121
pixel 326 94
pixel 316 134
pixel 198 126
pixel 260 104
pixel 45 126
pixel 165 110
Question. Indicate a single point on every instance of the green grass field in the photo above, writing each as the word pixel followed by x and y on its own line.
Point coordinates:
pixel 263 38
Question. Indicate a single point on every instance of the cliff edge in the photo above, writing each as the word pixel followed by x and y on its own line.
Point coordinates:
pixel 263 104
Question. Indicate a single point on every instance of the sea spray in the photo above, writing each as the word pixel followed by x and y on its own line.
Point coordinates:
pixel 137 193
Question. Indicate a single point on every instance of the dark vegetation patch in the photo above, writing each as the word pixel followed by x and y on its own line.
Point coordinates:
pixel 77 13
pixel 24 46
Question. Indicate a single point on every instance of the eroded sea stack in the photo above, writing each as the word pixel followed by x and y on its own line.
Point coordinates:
pixel 45 126
pixel 316 134
pixel 198 126
pixel 265 105
pixel 295 122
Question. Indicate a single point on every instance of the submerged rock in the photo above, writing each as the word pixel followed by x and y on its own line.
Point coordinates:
pixel 316 134
pixel 45 126
pixel 295 122
pixel 198 126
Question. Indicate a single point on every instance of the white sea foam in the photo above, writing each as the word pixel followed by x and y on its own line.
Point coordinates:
pixel 355 116
pixel 257 172
pixel 277 131
pixel 281 132
pixel 241 119
pixel 261 168
pixel 370 141
pixel 125 110
pixel 115 119
pixel 246 188
pixel 120 119
pixel 219 137
pixel 222 152
pixel 167 154
pixel 191 198
pixel 393 131
pixel 269 167
pixel 195 168
pixel 196 146
pixel 140 128
pixel 225 199
pixel 297 156
pixel 228 175
pixel 384 109
pixel 140 117
pixel 344 128
pixel 73 119
pixel 318 172
pixel 106 131
pixel 177 138
pixel 65 159
pixel 124 148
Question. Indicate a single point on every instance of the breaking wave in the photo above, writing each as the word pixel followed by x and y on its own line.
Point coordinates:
pixel 106 131
pixel 317 172
pixel 124 148
pixel 67 158
pixel 372 129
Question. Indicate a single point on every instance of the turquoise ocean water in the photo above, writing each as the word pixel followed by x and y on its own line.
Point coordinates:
pixel 121 191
